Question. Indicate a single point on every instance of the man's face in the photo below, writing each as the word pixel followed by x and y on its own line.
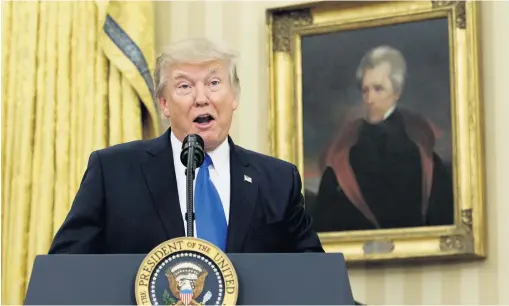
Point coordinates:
pixel 199 99
pixel 377 92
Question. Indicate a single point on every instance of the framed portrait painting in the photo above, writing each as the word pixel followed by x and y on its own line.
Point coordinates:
pixel 378 103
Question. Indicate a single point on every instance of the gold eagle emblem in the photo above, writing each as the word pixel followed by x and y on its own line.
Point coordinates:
pixel 197 286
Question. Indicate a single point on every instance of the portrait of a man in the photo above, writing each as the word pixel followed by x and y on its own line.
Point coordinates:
pixel 380 169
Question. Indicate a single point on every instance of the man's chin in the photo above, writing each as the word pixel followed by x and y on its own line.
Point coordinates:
pixel 206 134
pixel 202 131
pixel 374 119
pixel 209 138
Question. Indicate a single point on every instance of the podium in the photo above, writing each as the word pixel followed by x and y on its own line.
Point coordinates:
pixel 264 279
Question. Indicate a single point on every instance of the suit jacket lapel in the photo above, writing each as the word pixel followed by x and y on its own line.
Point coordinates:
pixel 244 189
pixel 160 177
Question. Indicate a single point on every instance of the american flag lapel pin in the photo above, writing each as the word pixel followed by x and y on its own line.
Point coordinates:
pixel 247 179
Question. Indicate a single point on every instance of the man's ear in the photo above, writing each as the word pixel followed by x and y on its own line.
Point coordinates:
pixel 235 104
pixel 164 106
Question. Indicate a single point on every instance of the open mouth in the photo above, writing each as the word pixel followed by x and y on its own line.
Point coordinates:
pixel 203 119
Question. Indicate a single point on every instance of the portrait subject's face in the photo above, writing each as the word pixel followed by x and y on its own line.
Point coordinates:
pixel 377 92
pixel 199 99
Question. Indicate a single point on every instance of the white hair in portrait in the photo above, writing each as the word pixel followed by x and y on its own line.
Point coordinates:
pixel 381 55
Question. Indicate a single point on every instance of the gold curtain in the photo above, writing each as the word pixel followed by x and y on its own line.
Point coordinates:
pixel 76 78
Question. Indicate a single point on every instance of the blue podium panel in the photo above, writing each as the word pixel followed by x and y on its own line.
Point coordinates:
pixel 264 279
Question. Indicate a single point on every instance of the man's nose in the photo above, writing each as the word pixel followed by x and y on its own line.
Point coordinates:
pixel 370 99
pixel 201 96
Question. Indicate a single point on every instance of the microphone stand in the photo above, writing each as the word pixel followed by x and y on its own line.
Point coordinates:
pixel 192 146
pixel 189 186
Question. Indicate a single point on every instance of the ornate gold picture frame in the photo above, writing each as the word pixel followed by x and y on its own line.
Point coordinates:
pixel 378 104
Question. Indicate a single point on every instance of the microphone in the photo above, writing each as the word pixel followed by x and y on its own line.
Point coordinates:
pixel 191 156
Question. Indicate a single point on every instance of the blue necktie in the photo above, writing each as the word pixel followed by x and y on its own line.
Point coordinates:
pixel 208 209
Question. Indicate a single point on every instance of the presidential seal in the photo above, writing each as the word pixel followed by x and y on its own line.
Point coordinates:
pixel 186 271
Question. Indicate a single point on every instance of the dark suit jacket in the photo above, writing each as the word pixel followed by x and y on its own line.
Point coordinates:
pixel 128 203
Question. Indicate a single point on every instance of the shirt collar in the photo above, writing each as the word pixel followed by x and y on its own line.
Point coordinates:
pixel 389 112
pixel 220 156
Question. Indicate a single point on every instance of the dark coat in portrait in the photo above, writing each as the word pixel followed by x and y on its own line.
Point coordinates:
pixel 384 175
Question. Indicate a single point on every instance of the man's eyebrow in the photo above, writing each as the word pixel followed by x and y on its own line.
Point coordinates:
pixel 212 72
pixel 181 75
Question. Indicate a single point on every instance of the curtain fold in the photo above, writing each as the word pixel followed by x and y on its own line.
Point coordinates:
pixel 7 116
pixel 70 87
pixel 21 96
pixel 63 115
pixel 125 42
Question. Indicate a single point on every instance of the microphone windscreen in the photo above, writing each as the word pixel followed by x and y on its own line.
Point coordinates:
pixel 196 142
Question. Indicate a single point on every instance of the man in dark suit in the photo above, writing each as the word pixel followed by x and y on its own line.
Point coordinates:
pixel 132 196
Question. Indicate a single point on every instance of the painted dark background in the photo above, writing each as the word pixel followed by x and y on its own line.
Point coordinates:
pixel 329 64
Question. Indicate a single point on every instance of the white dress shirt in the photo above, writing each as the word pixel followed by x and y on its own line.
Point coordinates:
pixel 219 175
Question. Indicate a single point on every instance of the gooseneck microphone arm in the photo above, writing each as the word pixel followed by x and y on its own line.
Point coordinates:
pixel 192 156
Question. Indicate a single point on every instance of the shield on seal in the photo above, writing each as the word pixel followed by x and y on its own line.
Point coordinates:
pixel 186 296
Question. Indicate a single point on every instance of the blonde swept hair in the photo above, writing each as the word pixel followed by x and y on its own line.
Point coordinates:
pixel 193 50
